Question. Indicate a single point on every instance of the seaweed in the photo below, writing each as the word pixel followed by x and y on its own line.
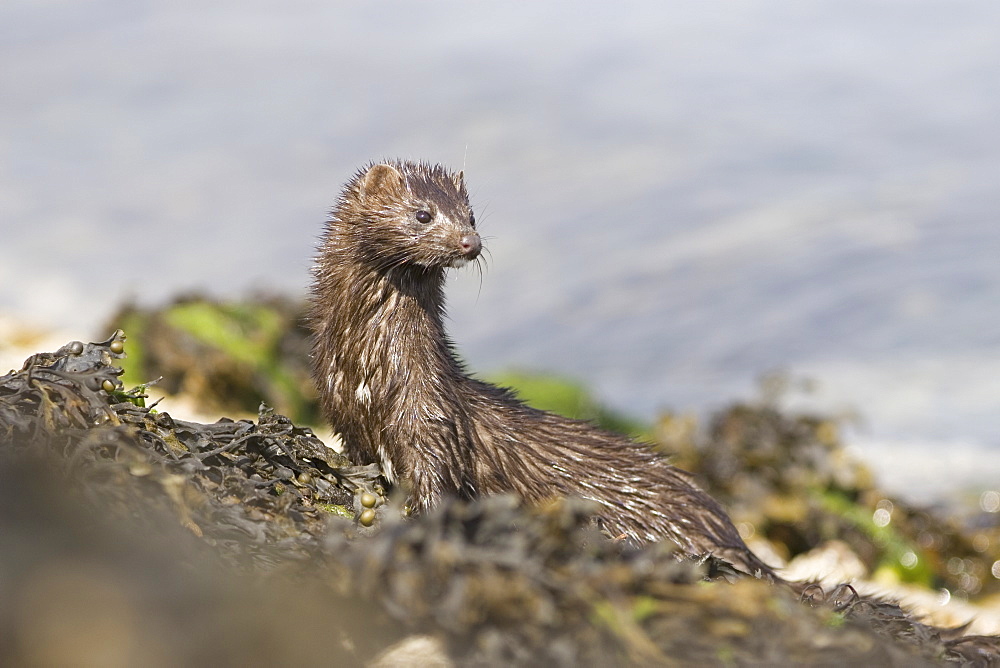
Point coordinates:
pixel 132 537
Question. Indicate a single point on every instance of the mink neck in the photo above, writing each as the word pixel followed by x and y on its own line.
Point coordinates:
pixel 386 321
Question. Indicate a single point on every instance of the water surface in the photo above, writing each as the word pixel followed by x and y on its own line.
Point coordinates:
pixel 678 198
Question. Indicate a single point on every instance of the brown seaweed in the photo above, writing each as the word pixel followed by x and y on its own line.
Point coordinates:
pixel 131 537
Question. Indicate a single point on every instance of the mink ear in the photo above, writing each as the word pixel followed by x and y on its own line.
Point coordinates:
pixel 459 180
pixel 380 178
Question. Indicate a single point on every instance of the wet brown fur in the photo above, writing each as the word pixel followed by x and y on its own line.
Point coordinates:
pixel 392 387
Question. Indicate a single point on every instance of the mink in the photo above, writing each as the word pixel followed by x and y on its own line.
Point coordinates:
pixel 392 387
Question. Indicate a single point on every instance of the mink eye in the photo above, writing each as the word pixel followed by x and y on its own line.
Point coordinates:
pixel 472 220
pixel 422 217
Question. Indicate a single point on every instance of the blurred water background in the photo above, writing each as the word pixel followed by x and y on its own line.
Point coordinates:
pixel 678 198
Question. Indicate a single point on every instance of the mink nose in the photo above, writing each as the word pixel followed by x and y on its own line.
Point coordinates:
pixel 471 245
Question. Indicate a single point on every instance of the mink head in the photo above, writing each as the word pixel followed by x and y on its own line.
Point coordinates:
pixel 402 214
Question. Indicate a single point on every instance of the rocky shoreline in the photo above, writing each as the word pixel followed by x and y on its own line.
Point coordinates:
pixel 131 536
